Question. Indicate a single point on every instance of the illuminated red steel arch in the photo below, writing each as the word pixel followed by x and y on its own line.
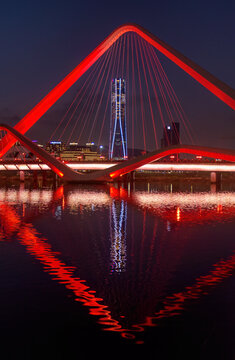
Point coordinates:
pixel 214 85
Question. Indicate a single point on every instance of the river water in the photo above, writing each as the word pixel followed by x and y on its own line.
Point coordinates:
pixel 145 265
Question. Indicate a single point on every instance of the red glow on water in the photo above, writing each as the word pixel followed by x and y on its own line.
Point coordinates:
pixel 59 193
pixel 119 193
pixel 113 192
pixel 178 213
pixel 41 250
pixel 10 221
pixel 173 305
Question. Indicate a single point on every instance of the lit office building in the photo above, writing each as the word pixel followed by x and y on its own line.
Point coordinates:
pixel 118 131
pixel 55 147
pixel 75 153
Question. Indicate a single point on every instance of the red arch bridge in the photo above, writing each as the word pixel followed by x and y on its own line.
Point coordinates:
pixel 210 82
pixel 110 172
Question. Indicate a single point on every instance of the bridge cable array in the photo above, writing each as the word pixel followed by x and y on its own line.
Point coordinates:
pixel 151 102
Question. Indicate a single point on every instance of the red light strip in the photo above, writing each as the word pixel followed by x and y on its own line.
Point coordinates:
pixel 218 88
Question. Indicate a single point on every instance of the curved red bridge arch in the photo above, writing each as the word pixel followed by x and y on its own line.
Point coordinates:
pixel 214 85
pixel 131 165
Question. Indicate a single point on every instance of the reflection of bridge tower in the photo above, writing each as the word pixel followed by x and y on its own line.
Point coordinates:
pixel 118 222
pixel 118 132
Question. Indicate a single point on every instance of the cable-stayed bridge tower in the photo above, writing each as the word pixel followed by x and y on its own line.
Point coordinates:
pixel 118 129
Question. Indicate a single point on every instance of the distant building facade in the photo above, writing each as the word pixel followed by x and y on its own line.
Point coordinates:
pixel 74 152
pixel 55 148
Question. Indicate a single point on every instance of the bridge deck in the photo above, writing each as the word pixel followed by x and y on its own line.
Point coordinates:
pixel 109 174
pixel 35 166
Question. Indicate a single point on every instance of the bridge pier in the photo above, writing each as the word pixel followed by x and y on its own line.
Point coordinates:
pixel 215 178
pixel 22 175
pixel 55 180
pixel 126 178
pixel 35 176
pixel 129 177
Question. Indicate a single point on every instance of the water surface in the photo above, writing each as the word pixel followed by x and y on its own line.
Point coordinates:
pixel 145 265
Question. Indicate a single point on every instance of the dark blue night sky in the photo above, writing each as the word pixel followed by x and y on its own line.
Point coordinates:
pixel 42 41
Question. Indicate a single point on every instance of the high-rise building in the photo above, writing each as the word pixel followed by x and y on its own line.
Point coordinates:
pixel 118 130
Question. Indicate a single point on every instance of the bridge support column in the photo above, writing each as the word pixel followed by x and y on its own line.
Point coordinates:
pixel 130 177
pixel 215 178
pixel 22 175
pixel 35 176
pixel 55 179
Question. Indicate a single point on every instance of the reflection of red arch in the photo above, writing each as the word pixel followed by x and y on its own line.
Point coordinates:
pixel 217 87
pixel 171 305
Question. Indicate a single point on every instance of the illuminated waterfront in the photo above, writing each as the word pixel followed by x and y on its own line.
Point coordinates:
pixel 138 264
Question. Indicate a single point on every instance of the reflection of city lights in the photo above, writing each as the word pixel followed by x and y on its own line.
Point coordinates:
pixel 184 200
pixel 35 197
pixel 168 226
pixel 46 196
pixel 23 196
pixel 26 196
pixel 192 208
pixel 88 198
pixel 11 195
pixel 118 222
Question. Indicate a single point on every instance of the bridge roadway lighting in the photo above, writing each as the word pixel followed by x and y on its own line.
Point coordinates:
pixel 120 169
